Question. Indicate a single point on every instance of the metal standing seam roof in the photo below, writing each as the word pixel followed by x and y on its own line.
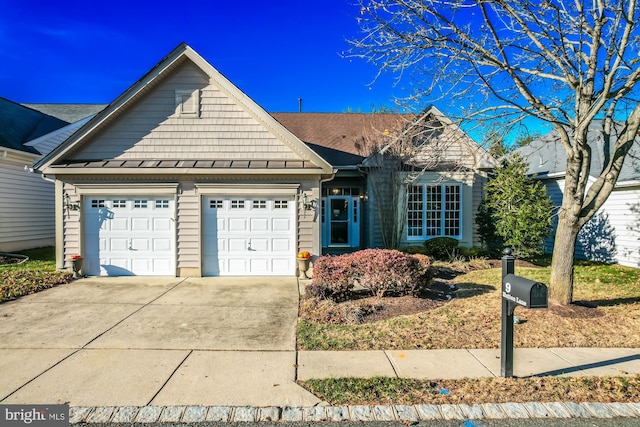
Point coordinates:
pixel 191 164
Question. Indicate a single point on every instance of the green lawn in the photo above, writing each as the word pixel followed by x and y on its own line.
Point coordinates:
pixel 42 259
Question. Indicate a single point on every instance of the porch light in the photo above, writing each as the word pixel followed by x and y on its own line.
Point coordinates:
pixel 306 203
pixel 68 204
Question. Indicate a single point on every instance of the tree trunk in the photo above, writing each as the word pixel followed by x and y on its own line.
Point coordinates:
pixel 561 282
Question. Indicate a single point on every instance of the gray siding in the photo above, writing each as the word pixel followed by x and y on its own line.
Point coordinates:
pixel 71 224
pixel 26 208
pixel 478 193
pixel 152 129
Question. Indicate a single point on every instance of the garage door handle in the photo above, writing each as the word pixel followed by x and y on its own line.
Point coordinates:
pixel 249 248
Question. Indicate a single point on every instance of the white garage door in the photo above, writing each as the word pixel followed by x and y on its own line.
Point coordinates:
pixel 248 236
pixel 129 236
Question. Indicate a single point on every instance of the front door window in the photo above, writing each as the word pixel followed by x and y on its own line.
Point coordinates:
pixel 341 221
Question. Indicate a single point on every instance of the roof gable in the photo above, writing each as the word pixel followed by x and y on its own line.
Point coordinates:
pixel 143 127
pixel 19 125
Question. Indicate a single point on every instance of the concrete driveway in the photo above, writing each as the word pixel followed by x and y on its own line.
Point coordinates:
pixel 153 341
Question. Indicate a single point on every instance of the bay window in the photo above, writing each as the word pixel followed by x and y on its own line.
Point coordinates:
pixel 434 210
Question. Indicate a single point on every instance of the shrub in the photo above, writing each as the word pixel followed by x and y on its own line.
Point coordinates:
pixel 333 274
pixel 381 271
pixel 441 248
pixel 414 250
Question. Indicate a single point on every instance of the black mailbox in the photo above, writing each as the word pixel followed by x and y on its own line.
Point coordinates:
pixel 524 292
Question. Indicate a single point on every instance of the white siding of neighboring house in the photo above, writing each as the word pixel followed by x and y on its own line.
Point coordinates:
pixel 26 206
pixel 152 129
pixel 613 235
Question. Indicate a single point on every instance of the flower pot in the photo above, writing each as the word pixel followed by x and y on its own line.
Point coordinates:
pixel 76 266
pixel 303 267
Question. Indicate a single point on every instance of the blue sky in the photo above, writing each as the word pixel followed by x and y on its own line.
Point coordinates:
pixel 275 51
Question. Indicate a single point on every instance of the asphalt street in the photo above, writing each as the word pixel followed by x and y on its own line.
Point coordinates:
pixel 570 422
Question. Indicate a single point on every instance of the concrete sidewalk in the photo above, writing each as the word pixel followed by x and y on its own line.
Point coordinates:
pixel 455 364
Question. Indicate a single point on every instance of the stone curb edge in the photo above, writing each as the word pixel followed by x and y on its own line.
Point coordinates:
pixel 406 413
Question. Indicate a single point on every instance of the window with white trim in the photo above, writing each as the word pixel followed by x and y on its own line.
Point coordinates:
pixel 281 204
pixel 119 204
pixel 434 210
pixel 162 204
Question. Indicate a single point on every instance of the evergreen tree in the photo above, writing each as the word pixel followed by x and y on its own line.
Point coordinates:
pixel 519 208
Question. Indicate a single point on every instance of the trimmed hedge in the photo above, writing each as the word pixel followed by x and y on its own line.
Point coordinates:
pixel 441 248
pixel 383 272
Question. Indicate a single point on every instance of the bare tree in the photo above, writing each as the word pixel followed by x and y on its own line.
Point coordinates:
pixel 400 148
pixel 567 63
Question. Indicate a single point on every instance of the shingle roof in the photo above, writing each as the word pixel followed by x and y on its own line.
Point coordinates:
pixel 68 112
pixel 19 124
pixel 546 155
pixel 339 137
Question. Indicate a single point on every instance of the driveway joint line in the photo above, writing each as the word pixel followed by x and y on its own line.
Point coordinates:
pixel 134 312
pixel 40 374
pixel 170 376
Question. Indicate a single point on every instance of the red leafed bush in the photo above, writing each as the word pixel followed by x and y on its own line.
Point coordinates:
pixel 386 272
pixel 331 278
pixel 381 271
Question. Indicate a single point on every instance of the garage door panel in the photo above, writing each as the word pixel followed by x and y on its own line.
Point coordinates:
pixel 162 224
pixel 255 236
pixel 237 224
pixel 117 245
pixel 140 224
pixel 126 236
pixel 281 225
pixel 237 245
pixel 281 245
pixel 260 244
pixel 259 224
pixel 140 245
pixel 116 224
pixel 282 264
pixel 259 265
pixel 161 245
pixel 236 264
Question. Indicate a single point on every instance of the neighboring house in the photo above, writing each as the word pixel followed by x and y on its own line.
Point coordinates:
pixel 26 200
pixel 183 174
pixel 613 234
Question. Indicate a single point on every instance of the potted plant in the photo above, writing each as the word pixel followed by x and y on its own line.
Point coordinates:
pixel 303 263
pixel 76 265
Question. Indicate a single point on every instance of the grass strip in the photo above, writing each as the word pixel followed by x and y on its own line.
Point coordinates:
pixel 403 391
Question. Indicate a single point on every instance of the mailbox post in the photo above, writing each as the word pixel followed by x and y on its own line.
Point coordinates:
pixel 516 291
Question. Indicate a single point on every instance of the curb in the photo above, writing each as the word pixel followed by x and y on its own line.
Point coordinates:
pixel 401 413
